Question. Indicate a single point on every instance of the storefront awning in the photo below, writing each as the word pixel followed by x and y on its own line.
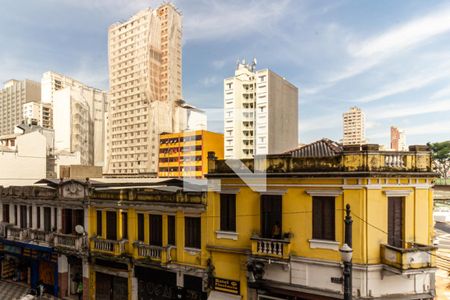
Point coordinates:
pixel 215 295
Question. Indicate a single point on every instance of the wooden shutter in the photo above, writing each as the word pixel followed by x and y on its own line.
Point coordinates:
pixel 99 223
pixel 124 225
pixel 192 232
pixel 155 230
pixel 141 227
pixel 395 221
pixel 171 230
pixel 228 212
pixel 67 221
pixel 47 219
pixel 270 214
pixel 23 216
pixel 324 218
pixel 111 225
pixel 6 213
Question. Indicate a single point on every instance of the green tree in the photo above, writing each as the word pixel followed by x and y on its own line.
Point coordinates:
pixel 441 158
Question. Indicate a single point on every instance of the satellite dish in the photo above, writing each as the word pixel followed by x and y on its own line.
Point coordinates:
pixel 79 229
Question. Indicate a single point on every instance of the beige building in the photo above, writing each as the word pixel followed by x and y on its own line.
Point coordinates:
pixel 78 117
pixel 13 96
pixel 145 84
pixel 260 113
pixel 40 114
pixel 354 127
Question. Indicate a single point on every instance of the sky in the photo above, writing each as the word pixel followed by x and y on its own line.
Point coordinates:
pixel 390 58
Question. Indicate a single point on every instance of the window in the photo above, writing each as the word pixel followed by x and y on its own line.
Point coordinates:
pixel 38 217
pixel 155 222
pixel 23 216
pixel 47 219
pixel 192 232
pixel 227 212
pixel 6 213
pixel 171 230
pixel 323 218
pixel 30 216
pixel 271 226
pixel 124 225
pixel 395 221
pixel 55 217
pixel 140 227
pixel 99 223
pixel 111 225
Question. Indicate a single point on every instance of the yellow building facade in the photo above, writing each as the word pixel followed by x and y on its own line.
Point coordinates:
pixel 185 154
pixel 146 241
pixel 276 234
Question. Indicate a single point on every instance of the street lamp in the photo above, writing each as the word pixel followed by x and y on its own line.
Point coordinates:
pixel 346 256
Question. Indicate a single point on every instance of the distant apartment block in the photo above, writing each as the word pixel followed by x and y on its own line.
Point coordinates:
pixel 13 96
pixel 78 117
pixel 398 139
pixel 144 55
pixel 260 113
pixel 40 114
pixel 185 154
pixel 354 127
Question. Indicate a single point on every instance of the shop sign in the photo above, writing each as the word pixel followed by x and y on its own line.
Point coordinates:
pixel 13 249
pixel 227 285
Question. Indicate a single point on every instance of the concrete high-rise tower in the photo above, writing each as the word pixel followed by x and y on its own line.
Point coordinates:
pixel 260 113
pixel 145 65
pixel 354 127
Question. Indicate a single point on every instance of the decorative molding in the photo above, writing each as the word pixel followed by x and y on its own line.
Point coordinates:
pixel 273 192
pixel 227 235
pixel 324 193
pixel 397 193
pixel 324 244
pixel 192 251
pixel 229 191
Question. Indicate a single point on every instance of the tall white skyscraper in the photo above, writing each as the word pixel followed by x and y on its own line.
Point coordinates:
pixel 145 65
pixel 260 113
pixel 354 127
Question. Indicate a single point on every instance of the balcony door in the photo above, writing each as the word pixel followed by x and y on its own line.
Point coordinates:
pixel 271 216
pixel 395 221
pixel 111 225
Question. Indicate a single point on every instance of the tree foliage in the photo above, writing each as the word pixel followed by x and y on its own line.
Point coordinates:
pixel 441 158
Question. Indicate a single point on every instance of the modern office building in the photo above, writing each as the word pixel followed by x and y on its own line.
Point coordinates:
pixel 78 116
pixel 185 154
pixel 398 139
pixel 260 113
pixel 144 55
pixel 354 127
pixel 13 96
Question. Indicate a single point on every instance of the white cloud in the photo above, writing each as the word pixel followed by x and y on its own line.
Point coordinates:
pixel 405 35
pixel 210 81
pixel 228 19
pixel 408 109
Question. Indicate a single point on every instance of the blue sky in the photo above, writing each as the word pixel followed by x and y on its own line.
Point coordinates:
pixel 391 58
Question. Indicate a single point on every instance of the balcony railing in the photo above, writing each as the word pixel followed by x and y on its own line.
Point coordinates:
pixel 109 246
pixel 69 241
pixel 149 251
pixel 416 256
pixel 15 233
pixel 279 248
pixel 41 236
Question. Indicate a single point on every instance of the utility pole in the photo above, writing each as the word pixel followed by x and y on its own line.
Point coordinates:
pixel 346 251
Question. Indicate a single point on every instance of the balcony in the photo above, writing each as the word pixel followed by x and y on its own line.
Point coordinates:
pixel 18 234
pixel 69 242
pixel 149 251
pixel 416 256
pixel 277 248
pixel 111 247
pixel 41 236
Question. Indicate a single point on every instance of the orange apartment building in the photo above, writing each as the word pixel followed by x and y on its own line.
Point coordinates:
pixel 185 154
